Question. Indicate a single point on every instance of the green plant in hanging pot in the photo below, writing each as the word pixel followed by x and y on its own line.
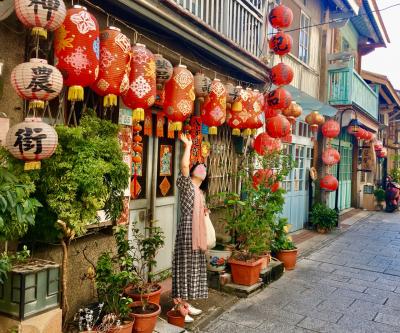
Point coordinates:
pixel 323 218
pixel 282 244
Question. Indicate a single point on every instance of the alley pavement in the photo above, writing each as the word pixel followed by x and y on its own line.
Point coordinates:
pixel 350 285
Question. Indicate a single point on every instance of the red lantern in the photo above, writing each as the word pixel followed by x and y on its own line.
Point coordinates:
pixel 213 112
pixel 279 99
pixel 368 136
pixel 179 96
pixel 329 183
pixel 292 112
pixel 263 144
pixel 330 129
pixel 281 17
pixel 278 126
pixel 236 120
pixel 36 81
pixel 40 15
pixel 265 177
pixel 254 109
pixel 270 112
pixel 360 134
pixel 281 43
pixel 281 74
pixel 314 120
pixel 77 51
pixel 382 153
pixel 141 94
pixel 113 79
pixel 31 140
pixel 378 146
pixel 238 99
pixel 330 156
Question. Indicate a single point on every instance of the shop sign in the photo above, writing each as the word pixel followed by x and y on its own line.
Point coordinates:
pixel 367 158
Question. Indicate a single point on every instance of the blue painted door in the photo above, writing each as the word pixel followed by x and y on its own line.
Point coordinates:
pixel 296 186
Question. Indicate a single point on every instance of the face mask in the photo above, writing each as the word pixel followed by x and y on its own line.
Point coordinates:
pixel 200 172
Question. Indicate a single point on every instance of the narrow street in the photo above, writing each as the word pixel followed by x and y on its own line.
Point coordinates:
pixel 350 285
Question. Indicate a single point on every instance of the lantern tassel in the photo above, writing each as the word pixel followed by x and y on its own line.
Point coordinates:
pixel 39 31
pixel 213 130
pixel 247 132
pixel 138 114
pixel 237 106
pixel 177 126
pixel 110 100
pixel 236 132
pixel 254 132
pixel 36 104
pixel 75 93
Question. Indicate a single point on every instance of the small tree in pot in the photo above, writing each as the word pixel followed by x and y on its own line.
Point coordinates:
pixel 323 218
pixel 282 244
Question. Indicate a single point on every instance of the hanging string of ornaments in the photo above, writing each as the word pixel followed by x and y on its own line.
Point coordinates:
pixel 330 156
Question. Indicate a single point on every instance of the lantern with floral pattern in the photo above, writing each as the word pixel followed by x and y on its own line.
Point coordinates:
pixel 36 81
pixel 254 108
pixel 235 120
pixel 179 96
pixel 77 51
pixel 280 17
pixel 113 79
pixel 281 43
pixel 41 15
pixel 141 94
pixel 213 111
pixel 281 74
pixel 31 140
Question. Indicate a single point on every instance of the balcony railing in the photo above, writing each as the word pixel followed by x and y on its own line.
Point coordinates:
pixel 347 87
pixel 241 21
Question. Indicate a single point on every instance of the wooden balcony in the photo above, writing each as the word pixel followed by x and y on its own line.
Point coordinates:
pixel 347 87
pixel 240 21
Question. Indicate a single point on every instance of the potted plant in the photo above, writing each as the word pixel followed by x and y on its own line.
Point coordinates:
pixel 88 317
pixel 323 218
pixel 139 254
pixel 380 196
pixel 217 258
pixel 176 316
pixel 282 244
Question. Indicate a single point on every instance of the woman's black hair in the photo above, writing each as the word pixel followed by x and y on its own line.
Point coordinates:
pixel 204 183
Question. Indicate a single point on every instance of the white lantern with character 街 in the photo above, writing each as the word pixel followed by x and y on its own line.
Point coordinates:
pixel 31 141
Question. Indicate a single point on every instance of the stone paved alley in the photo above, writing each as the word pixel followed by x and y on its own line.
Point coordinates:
pixel 350 285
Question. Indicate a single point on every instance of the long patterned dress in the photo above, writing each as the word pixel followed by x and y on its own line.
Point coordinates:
pixel 189 268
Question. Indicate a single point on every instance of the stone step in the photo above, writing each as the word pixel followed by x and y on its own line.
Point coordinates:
pixel 163 327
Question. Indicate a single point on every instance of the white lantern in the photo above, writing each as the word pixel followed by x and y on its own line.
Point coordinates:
pixel 31 140
pixel 164 69
pixel 37 81
pixel 41 15
pixel 202 85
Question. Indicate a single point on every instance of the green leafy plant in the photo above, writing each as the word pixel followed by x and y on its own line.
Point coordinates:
pixel 7 260
pixel 138 256
pixel 395 172
pixel 251 216
pixel 323 217
pixel 281 238
pixel 380 194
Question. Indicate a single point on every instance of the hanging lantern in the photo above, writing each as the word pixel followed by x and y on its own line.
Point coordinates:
pixel 113 79
pixel 353 127
pixel 141 94
pixel 278 126
pixel 213 112
pixel 279 99
pixel 360 135
pixel 378 145
pixel 240 94
pixel 164 71
pixel 269 112
pixel 329 183
pixel 281 74
pixel 382 153
pixel 265 177
pixel 314 120
pixel 330 156
pixel 77 51
pixel 31 140
pixel 36 81
pixel 292 112
pixel 6 9
pixel 280 17
pixel 202 85
pixel 369 136
pixel 263 144
pixel 230 93
pixel 330 129
pixel 40 15
pixel 254 109
pixel 179 96
pixel 236 120
pixel 281 43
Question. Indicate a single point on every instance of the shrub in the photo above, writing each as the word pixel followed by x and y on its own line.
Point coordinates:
pixel 323 217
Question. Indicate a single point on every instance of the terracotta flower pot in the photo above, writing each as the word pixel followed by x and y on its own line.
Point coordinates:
pixel 153 297
pixel 288 257
pixel 265 259
pixel 144 322
pixel 322 230
pixel 175 318
pixel 245 273
pixel 125 328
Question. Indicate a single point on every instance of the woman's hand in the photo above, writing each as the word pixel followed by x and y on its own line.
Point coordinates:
pixel 186 139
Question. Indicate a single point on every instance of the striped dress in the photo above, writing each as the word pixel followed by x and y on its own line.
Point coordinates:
pixel 189 268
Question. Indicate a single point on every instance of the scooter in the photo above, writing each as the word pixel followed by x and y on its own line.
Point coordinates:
pixel 392 196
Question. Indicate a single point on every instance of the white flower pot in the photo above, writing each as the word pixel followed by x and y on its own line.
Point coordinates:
pixel 217 259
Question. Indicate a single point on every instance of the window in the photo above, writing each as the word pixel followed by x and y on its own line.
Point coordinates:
pixel 345 45
pixel 304 40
